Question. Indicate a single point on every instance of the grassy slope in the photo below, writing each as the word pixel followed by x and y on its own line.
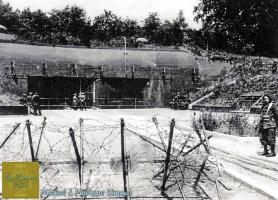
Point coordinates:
pixel 95 57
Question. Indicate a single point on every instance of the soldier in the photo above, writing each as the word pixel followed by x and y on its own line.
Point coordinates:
pixel 23 100
pixel 82 99
pixel 12 71
pixel 12 68
pixel 268 125
pixel 74 101
pixel 29 102
pixel 44 69
pixel 75 69
pixel 36 104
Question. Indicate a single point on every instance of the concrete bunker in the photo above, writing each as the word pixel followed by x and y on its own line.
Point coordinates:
pixel 109 92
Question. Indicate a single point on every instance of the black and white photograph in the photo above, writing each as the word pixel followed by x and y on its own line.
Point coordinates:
pixel 144 100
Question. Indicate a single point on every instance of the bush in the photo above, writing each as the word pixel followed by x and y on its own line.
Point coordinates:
pixel 231 123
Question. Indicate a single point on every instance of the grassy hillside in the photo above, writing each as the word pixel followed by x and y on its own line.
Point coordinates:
pixel 94 57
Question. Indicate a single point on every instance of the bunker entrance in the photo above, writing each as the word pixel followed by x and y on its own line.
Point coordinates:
pixel 58 90
pixel 115 92
pixel 112 92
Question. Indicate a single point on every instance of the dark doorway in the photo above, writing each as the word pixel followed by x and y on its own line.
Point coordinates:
pixel 126 87
pixel 58 90
pixel 117 92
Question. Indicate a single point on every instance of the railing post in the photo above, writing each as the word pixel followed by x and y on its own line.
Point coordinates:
pixel 135 102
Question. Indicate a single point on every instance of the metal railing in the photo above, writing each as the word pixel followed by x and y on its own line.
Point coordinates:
pixel 113 103
pixel 120 103
pixel 55 102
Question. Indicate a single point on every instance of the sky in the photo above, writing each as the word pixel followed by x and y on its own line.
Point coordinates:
pixel 134 9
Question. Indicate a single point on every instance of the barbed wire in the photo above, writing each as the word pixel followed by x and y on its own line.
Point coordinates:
pixel 101 140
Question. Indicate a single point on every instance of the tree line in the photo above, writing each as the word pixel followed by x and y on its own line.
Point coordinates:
pixel 71 26
pixel 246 27
pixel 243 26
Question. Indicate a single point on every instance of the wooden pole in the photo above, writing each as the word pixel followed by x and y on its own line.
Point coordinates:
pixel 201 171
pixel 178 164
pixel 30 140
pixel 158 130
pixel 12 132
pixel 168 155
pixel 81 124
pixel 78 158
pixel 43 125
pixel 123 157
pixel 205 134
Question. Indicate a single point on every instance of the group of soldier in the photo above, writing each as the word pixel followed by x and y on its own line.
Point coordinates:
pixel 79 101
pixel 32 102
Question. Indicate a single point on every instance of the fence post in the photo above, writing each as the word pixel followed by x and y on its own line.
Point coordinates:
pixel 168 155
pixel 71 132
pixel 30 139
pixel 42 129
pixel 123 157
pixel 135 102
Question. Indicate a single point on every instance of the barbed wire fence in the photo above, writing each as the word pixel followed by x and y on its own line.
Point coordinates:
pixel 147 159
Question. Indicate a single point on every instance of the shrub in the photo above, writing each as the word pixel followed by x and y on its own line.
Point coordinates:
pixel 230 123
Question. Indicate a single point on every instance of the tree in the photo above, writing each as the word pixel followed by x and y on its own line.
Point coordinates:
pixel 131 28
pixel 152 27
pixel 71 26
pixel 173 33
pixel 8 17
pixel 235 24
pixel 34 26
pixel 166 33
pixel 179 28
pixel 107 26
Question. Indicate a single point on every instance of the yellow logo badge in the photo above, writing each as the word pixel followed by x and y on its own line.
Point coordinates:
pixel 20 180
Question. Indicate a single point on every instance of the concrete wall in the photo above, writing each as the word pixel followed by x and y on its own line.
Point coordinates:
pixel 13 110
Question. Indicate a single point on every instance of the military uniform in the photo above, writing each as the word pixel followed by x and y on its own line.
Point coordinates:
pixel 36 104
pixel 82 99
pixel 29 102
pixel 268 125
pixel 75 101
pixel 44 69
